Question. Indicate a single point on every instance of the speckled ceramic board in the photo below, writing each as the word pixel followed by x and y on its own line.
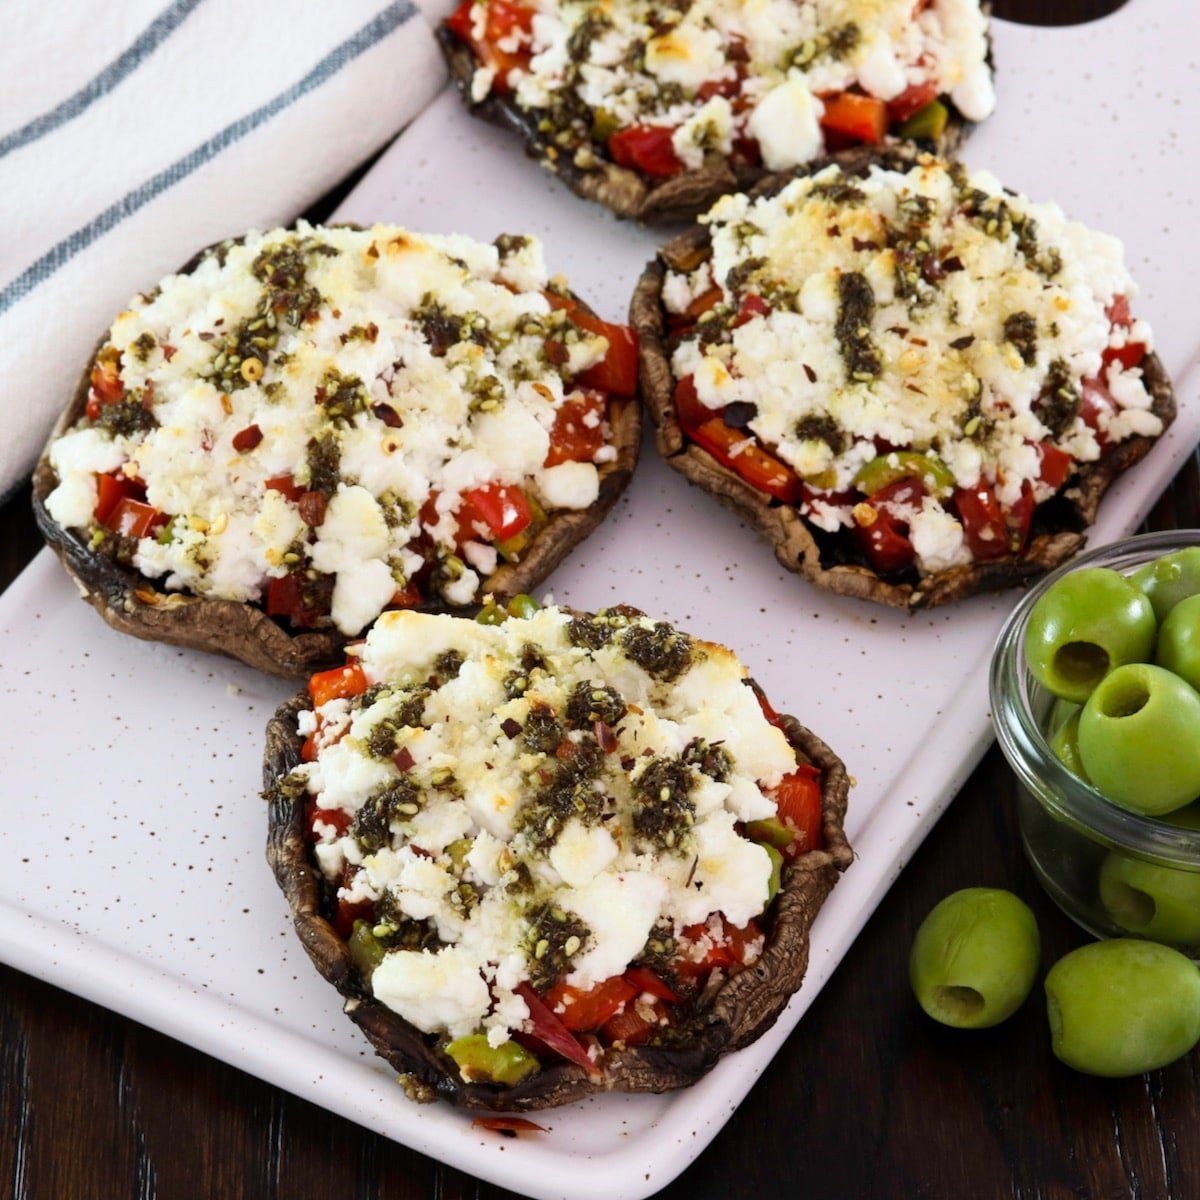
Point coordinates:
pixel 132 868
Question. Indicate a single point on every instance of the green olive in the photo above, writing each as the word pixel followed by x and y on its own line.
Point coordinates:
pixel 1170 579
pixel 1065 744
pixel 1123 1007
pixel 1156 902
pixel 1139 739
pixel 1085 625
pixel 974 958
pixel 1178 648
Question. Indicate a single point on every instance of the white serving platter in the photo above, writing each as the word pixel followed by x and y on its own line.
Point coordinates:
pixel 134 874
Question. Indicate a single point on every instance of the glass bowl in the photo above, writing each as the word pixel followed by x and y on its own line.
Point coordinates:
pixel 1112 871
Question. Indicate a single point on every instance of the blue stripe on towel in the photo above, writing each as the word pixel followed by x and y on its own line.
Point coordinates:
pixel 379 27
pixel 146 43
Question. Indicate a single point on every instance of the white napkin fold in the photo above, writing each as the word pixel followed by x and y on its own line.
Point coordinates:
pixel 135 132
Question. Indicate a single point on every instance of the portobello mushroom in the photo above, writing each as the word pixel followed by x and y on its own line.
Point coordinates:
pixel 727 1011
pixel 150 607
pixel 831 558
pixel 569 136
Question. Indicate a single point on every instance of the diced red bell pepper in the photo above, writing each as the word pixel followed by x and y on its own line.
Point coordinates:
pixel 247 439
pixel 107 387
pixel 585 1011
pixel 911 100
pixel 1095 405
pixel 688 408
pixel 724 950
pixel 286 485
pixel 1131 354
pixel 885 540
pixel 753 305
pixel 631 1027
pixel 646 148
pixel 758 468
pixel 546 1028
pixel 1019 518
pixel 347 913
pixel 1056 465
pixel 617 371
pixel 338 818
pixel 647 982
pixel 862 118
pixel 502 507
pixel 681 322
pixel 286 597
pixel 504 20
pixel 337 684
pixel 798 800
pixel 110 491
pixel 131 518
pixel 578 431
pixel 983 522
pixel 409 596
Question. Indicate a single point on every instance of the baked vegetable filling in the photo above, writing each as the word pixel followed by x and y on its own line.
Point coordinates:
pixel 914 359
pixel 331 422
pixel 660 87
pixel 544 834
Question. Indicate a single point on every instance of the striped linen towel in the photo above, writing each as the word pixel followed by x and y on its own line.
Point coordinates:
pixel 134 132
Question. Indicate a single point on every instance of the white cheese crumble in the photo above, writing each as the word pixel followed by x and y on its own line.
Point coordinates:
pixel 921 309
pixel 453 771
pixel 318 401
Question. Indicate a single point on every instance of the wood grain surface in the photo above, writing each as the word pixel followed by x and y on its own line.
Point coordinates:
pixel 867 1098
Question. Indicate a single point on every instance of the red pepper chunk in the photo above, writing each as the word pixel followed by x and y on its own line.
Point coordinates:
pixel 1130 354
pixel 884 539
pixel 110 491
pixel 578 431
pixel 286 486
pixel 725 949
pixel 983 522
pixel 861 118
pixel 504 23
pixel 646 148
pixel 753 305
pixel 546 1029
pixel 131 518
pixel 798 801
pixel 501 507
pixel 631 1026
pixel 585 1011
pixel 758 468
pixel 911 100
pixel 107 387
pixel 337 684
pixel 617 371
pixel 647 982
pixel 1056 465
pixel 688 407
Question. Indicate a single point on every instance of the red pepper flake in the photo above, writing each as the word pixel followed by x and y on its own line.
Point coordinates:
pixel 388 415
pixel 556 352
pixel 403 759
pixel 812 375
pixel 566 749
pixel 372 331
pixel 247 438
pixel 372 251
pixel 312 508
pixel 168 351
pixel 510 726
pixel 864 244
pixel 509 1127
pixel 628 762
pixel 605 738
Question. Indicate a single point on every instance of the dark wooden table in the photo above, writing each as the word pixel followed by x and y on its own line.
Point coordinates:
pixel 867 1098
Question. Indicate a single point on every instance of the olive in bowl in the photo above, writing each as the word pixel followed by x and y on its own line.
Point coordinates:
pixel 1098 823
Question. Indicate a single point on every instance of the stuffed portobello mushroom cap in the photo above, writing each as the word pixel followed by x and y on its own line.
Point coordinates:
pixel 831 561
pixel 730 1012
pixel 143 607
pixel 625 191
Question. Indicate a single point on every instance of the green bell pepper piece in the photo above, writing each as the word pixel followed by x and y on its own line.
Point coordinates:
pixel 770 831
pixel 885 470
pixel 523 605
pixel 479 1061
pixel 366 950
pixel 776 880
pixel 927 122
